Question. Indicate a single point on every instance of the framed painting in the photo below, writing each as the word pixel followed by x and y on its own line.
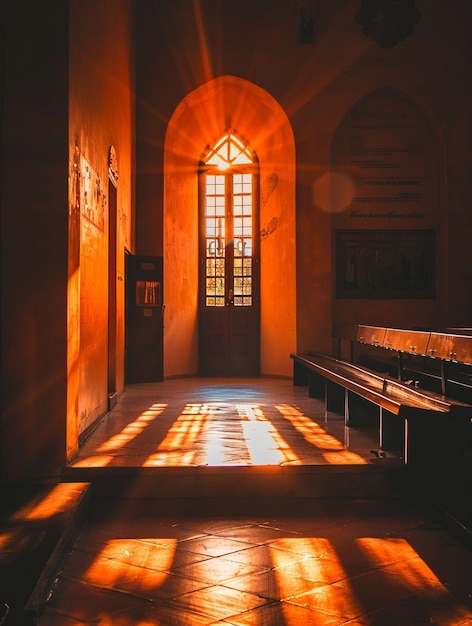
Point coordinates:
pixel 385 263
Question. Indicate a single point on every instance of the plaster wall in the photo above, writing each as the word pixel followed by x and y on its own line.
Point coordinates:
pixel 426 67
pixel 388 172
pixel 101 123
pixel 199 122
pixel 184 45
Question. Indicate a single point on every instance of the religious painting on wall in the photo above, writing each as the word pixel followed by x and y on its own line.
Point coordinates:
pixel 385 263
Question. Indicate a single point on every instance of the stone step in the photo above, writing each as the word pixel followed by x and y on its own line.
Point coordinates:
pixel 40 522
pixel 320 481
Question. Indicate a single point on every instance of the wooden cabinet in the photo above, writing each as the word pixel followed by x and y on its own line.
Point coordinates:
pixel 144 319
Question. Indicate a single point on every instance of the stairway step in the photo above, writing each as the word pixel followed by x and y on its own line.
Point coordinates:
pixel 41 522
pixel 320 481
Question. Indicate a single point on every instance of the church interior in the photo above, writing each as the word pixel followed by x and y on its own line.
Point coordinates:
pixel 236 320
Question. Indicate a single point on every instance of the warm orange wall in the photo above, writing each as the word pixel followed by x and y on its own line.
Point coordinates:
pixel 261 121
pixel 101 115
pixel 183 45
pixel 68 82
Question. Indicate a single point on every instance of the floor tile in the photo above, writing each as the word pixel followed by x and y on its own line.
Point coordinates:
pixel 250 561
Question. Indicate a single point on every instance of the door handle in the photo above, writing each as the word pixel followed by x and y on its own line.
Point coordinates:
pixel 230 297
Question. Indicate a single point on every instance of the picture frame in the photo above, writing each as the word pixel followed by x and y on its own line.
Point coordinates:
pixel 385 263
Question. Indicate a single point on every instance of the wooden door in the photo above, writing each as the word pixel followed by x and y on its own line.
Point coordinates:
pixel 229 309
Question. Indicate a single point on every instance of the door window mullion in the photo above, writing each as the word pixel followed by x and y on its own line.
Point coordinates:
pixel 215 217
pixel 243 239
pixel 229 240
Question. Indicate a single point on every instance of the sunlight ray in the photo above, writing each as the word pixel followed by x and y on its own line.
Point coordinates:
pixel 333 449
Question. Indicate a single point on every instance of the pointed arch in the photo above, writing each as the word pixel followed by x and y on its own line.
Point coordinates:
pixel 228 151
pixel 203 115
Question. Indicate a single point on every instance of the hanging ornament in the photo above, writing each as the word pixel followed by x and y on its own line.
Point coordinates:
pixel 387 21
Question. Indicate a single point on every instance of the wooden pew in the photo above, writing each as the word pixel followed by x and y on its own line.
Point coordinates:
pixel 424 426
pixel 418 382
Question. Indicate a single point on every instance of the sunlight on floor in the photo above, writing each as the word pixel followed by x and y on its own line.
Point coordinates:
pixel 335 451
pixel 310 572
pixel 143 565
pixel 265 445
pixel 183 436
pixel 132 430
pixel 47 505
pixel 222 434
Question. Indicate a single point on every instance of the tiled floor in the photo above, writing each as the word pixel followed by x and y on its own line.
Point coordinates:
pixel 243 561
pixel 310 563
pixel 219 422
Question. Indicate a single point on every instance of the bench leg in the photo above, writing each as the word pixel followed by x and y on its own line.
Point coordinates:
pixel 360 412
pixel 300 375
pixel 392 431
pixel 346 408
pixel 316 385
pixel 335 398
pixel 326 407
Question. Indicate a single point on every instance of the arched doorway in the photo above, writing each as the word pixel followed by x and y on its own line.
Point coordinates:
pixel 203 117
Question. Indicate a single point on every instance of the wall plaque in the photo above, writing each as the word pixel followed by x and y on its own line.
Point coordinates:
pixel 387 150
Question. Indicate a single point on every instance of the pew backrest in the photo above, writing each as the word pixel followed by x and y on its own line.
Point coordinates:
pixel 439 360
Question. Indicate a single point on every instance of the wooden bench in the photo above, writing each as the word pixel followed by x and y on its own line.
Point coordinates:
pixel 418 385
pixel 424 426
